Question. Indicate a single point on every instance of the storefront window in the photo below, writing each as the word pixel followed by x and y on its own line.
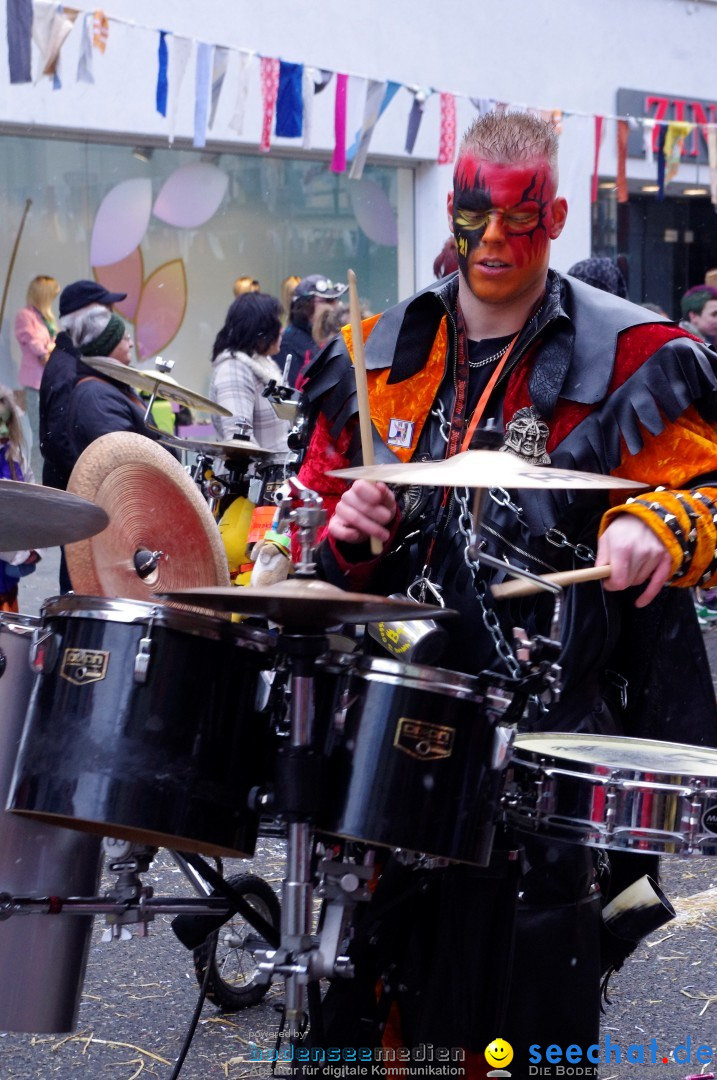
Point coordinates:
pixel 275 216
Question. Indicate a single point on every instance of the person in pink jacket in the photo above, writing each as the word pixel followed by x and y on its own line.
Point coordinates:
pixel 35 331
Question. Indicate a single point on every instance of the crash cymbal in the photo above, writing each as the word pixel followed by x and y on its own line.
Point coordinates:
pixel 161 533
pixel 32 516
pixel 483 469
pixel 306 602
pixel 215 448
pixel 154 381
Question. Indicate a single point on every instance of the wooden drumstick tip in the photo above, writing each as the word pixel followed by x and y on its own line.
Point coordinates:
pixel 523 587
pixel 364 409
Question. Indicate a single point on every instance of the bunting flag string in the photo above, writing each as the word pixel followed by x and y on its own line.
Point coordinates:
pixel 219 70
pixel 289 89
pixel 338 161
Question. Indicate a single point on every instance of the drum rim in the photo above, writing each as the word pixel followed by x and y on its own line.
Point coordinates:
pixel 413 676
pixel 138 612
pixel 19 624
pixel 522 754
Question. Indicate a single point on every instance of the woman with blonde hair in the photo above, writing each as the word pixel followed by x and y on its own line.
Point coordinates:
pixel 13 466
pixel 35 331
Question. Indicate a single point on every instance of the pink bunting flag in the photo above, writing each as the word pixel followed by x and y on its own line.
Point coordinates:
pixel 338 161
pixel 447 147
pixel 596 162
pixel 269 92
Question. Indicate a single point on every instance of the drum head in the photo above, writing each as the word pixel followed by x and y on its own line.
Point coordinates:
pixel 153 506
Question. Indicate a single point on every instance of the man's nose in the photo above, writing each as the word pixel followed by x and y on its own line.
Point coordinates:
pixel 494 230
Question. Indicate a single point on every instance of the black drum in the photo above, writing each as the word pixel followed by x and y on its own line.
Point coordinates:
pixel 144 724
pixel 414 756
pixel 42 957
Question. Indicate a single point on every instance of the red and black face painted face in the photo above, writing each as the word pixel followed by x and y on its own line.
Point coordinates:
pixel 504 216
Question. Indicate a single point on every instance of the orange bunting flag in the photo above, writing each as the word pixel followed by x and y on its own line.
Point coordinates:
pixel 101 31
pixel 596 162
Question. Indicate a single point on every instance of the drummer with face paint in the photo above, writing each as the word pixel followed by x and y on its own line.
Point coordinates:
pixel 509 353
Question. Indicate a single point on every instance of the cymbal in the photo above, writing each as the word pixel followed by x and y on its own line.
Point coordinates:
pixel 154 381
pixel 154 507
pixel 216 448
pixel 483 469
pixel 33 516
pixel 306 602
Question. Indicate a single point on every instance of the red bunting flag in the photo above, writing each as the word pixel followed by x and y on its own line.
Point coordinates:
pixel 447 147
pixel 269 91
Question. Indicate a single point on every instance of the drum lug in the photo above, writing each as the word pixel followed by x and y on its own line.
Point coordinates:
pixel 141 660
pixel 3 663
pixel 43 652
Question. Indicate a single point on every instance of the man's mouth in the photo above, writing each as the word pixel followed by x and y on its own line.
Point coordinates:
pixel 493 264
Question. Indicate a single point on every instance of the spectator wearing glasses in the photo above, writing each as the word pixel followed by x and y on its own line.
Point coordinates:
pixel 312 295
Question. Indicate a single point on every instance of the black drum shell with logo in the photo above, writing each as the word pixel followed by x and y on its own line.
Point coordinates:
pixel 169 762
pixel 413 758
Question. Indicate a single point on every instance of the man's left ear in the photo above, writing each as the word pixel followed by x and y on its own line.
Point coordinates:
pixel 560 213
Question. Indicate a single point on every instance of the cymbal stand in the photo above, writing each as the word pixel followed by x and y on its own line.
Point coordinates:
pixel 301 958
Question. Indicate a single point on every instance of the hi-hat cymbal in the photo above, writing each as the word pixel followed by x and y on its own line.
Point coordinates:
pixel 32 516
pixel 305 602
pixel 154 381
pixel 215 448
pixel 483 469
pixel 161 534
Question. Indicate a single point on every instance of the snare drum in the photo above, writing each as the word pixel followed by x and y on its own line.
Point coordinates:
pixel 414 756
pixel 144 725
pixel 614 792
pixel 46 954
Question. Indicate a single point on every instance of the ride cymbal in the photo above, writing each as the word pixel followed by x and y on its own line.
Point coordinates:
pixel 161 534
pixel 305 602
pixel 154 382
pixel 483 469
pixel 33 516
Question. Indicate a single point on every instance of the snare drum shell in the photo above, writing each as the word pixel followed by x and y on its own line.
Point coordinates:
pixel 614 792
pixel 168 762
pixel 43 957
pixel 409 754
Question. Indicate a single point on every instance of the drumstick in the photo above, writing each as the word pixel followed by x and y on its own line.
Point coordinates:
pixel 364 409
pixel 523 587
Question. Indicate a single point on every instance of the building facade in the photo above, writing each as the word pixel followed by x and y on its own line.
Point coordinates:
pixel 94 181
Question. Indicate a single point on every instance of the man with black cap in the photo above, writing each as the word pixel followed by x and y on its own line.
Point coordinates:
pixel 311 295
pixel 58 378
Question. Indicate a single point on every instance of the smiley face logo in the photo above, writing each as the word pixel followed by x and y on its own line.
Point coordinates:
pixel 499 1053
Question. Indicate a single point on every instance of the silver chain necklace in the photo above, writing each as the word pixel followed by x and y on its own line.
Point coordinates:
pixel 489 359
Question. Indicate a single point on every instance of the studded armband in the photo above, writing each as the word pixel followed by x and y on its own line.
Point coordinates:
pixel 686 522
